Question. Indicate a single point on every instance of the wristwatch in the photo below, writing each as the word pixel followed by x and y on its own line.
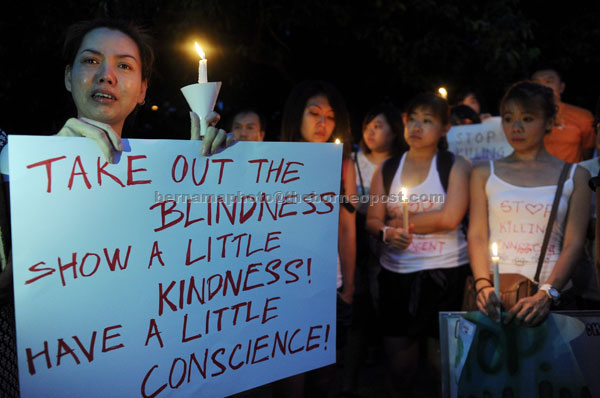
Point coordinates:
pixel 382 234
pixel 551 292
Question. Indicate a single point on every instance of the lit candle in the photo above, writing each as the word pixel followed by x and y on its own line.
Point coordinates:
pixel 495 261
pixel 405 209
pixel 202 74
pixel 338 141
pixel 443 92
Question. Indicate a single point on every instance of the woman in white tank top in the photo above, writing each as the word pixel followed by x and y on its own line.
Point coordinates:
pixel 511 200
pixel 423 270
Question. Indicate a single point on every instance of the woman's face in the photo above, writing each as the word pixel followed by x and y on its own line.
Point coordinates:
pixel 105 79
pixel 378 135
pixel 524 128
pixel 423 128
pixel 318 120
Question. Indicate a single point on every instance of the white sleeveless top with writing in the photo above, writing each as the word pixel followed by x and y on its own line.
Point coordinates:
pixel 518 217
pixel 446 249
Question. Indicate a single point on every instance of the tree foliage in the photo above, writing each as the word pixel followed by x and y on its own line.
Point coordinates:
pixel 260 48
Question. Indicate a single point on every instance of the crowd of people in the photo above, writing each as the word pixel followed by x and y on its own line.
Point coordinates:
pixel 394 275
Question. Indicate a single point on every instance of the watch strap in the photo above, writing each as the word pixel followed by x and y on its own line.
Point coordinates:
pixel 382 234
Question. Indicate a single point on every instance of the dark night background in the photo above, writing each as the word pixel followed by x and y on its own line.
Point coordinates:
pixel 260 48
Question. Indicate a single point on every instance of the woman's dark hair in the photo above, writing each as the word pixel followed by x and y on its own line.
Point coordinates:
pixel 76 33
pixel 464 92
pixel 532 97
pixel 438 106
pixel 459 114
pixel 296 103
pixel 393 116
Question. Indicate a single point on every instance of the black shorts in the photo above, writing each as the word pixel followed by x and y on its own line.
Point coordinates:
pixel 410 303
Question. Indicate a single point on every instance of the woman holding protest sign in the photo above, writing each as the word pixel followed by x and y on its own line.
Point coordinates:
pixel 315 112
pixel 538 224
pixel 109 63
pixel 424 267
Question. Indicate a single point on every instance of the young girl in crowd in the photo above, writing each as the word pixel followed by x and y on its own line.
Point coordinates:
pixel 423 270
pixel 382 138
pixel 512 197
pixel 315 112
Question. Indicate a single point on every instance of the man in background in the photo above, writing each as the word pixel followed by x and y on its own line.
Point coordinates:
pixel 248 125
pixel 572 138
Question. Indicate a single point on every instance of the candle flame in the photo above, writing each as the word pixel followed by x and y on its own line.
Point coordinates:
pixel 338 141
pixel 404 195
pixel 495 249
pixel 443 92
pixel 199 50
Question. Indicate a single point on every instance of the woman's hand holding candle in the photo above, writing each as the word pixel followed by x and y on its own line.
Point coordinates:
pixel 214 138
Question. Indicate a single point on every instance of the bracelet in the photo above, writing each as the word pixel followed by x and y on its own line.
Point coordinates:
pixel 481 279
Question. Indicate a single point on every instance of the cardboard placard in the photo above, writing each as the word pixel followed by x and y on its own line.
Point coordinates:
pixel 169 273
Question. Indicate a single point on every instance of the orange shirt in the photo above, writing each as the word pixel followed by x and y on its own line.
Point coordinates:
pixel 572 133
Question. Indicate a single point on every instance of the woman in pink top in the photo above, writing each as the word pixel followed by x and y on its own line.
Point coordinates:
pixel 511 200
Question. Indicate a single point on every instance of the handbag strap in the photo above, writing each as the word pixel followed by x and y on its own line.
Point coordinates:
pixel 557 195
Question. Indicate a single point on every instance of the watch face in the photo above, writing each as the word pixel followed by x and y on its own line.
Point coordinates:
pixel 552 292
